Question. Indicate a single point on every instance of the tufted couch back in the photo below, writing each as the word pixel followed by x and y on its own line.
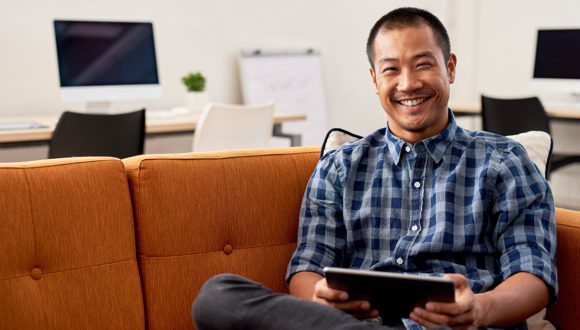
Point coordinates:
pixel 201 214
pixel 93 243
pixel 67 246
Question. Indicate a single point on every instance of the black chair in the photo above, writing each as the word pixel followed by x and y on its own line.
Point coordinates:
pixel 514 116
pixel 85 134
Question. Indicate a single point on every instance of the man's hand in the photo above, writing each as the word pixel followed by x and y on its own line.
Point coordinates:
pixel 515 299
pixel 339 299
pixel 466 311
pixel 312 286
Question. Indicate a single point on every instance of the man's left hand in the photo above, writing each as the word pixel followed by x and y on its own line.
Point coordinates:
pixel 464 313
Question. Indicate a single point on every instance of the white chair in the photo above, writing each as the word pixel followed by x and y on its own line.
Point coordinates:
pixel 228 126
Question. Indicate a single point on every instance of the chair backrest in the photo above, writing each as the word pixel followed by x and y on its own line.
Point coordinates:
pixel 86 134
pixel 227 126
pixel 513 116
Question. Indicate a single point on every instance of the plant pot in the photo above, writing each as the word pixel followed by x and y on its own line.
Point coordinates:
pixel 196 101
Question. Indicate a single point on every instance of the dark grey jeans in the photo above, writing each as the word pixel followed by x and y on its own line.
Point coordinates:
pixel 229 301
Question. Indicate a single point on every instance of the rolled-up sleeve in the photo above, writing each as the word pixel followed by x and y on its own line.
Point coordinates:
pixel 321 232
pixel 525 229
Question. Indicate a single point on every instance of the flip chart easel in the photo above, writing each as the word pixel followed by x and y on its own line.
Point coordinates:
pixel 293 80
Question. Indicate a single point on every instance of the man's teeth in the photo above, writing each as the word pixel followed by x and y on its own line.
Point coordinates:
pixel 413 102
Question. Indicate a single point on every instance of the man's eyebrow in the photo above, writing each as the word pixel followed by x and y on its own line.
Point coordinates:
pixel 387 59
pixel 426 53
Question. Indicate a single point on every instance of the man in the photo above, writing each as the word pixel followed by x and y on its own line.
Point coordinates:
pixel 421 196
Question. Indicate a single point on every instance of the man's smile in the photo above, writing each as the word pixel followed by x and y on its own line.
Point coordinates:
pixel 412 102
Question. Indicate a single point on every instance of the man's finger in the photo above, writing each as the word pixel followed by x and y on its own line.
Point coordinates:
pixel 365 315
pixel 332 295
pixel 436 318
pixel 424 322
pixel 429 317
pixel 456 308
pixel 321 290
pixel 353 306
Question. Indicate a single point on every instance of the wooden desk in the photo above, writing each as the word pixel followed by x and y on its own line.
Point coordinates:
pixel 473 108
pixel 158 122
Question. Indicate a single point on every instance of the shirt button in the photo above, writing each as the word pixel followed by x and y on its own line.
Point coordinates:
pixel 414 228
pixel 400 261
pixel 407 149
pixel 417 184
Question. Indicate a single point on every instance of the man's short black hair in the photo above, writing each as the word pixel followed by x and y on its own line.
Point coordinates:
pixel 409 17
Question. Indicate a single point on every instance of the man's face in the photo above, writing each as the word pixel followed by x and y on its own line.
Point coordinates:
pixel 412 81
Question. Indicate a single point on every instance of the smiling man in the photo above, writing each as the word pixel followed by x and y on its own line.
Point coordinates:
pixel 412 75
pixel 420 196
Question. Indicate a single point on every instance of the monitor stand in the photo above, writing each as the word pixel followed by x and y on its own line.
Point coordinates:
pixel 99 107
pixel 569 101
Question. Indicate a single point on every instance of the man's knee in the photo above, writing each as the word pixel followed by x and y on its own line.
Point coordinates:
pixel 217 304
pixel 222 282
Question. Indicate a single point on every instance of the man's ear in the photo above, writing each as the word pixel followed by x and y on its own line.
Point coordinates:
pixel 374 80
pixel 451 63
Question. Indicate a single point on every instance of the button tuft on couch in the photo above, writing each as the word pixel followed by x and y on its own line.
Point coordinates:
pixel 228 249
pixel 36 273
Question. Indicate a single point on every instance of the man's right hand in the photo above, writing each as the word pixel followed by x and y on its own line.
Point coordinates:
pixel 312 286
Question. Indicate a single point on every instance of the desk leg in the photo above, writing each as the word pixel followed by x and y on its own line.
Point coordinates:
pixel 295 139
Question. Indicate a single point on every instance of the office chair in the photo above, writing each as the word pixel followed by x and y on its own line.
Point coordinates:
pixel 228 126
pixel 86 134
pixel 513 116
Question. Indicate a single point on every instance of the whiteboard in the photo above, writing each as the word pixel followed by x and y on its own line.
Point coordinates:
pixel 294 82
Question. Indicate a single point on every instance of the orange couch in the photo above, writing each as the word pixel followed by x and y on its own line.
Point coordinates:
pixel 107 243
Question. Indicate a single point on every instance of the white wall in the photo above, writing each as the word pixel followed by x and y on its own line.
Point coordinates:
pixel 503 44
pixel 493 41
pixel 202 35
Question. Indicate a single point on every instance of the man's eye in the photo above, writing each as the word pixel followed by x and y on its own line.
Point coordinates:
pixel 389 69
pixel 423 64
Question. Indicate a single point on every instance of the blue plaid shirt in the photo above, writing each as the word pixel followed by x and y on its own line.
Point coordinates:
pixel 462 202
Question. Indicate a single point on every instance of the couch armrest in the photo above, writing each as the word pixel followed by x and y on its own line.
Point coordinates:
pixel 564 313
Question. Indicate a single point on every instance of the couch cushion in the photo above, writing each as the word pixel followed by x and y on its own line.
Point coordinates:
pixel 67 246
pixel 564 312
pixel 201 214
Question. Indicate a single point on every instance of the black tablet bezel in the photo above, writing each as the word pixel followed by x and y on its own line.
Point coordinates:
pixel 393 294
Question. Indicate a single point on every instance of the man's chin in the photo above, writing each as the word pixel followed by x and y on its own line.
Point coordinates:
pixel 415 129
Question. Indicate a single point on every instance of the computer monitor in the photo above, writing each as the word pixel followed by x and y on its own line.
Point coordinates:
pixel 556 64
pixel 100 62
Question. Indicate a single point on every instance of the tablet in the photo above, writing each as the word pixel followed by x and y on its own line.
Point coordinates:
pixel 393 294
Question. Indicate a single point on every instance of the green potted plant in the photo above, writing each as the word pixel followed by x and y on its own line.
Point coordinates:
pixel 196 97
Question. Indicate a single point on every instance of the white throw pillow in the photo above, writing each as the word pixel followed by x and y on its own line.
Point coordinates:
pixel 335 138
pixel 538 144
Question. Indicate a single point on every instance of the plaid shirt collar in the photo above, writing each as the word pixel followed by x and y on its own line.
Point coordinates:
pixel 435 145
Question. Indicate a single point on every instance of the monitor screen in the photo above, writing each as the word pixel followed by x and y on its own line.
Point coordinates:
pixel 106 61
pixel 557 54
pixel 556 71
pixel 105 53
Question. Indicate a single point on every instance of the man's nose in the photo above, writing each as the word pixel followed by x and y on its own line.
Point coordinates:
pixel 408 81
